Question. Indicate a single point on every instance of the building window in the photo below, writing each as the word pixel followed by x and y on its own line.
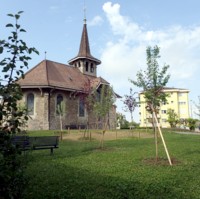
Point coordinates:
pixel 182 111
pixel 180 94
pixel 81 108
pixel 172 102
pixel 182 103
pixel 86 66
pixel 164 120
pixel 59 100
pixel 30 103
pixel 91 68
pixel 163 111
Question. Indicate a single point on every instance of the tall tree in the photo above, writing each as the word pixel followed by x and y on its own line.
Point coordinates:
pixel 152 81
pixel 130 103
pixel 17 55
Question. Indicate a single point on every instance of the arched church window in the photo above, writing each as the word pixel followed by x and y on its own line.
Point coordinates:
pixel 30 103
pixel 81 108
pixel 59 101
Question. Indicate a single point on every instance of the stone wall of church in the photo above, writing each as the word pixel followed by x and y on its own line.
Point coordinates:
pixel 45 116
pixel 70 115
pixel 39 119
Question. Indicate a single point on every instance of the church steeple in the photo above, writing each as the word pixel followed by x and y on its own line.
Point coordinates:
pixel 84 49
pixel 84 60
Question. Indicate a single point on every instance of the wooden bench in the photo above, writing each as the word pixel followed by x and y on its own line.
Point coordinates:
pixel 36 143
pixel 44 142
pixel 21 142
pixel 75 126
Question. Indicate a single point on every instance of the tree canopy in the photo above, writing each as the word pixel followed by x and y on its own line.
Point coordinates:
pixel 153 79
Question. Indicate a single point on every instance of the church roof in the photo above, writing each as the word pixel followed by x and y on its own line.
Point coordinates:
pixel 84 49
pixel 50 74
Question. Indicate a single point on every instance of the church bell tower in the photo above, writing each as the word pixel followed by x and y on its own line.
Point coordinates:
pixel 84 61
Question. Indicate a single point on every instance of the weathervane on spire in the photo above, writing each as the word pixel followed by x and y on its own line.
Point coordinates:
pixel 84 10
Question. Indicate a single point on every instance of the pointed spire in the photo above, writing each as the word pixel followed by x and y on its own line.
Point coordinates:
pixel 84 49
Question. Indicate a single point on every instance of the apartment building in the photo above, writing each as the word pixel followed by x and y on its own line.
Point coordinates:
pixel 177 100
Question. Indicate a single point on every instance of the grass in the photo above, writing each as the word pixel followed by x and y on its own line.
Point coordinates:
pixel 78 169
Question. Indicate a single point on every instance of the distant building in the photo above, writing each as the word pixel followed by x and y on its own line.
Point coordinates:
pixel 178 101
pixel 50 83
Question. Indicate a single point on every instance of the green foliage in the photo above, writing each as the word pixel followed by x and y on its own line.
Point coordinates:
pixel 173 118
pixel 191 123
pixel 104 101
pixel 135 124
pixel 122 122
pixel 60 110
pixel 122 170
pixel 153 80
pixel 12 117
pixel 102 106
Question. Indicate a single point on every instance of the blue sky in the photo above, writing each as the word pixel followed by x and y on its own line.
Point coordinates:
pixel 119 32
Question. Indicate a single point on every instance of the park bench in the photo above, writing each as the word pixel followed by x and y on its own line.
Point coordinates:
pixel 75 126
pixel 44 142
pixel 36 143
pixel 21 142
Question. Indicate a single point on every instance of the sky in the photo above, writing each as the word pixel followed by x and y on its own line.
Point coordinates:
pixel 119 33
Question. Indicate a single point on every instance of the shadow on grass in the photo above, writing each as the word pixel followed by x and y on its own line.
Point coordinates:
pixel 60 181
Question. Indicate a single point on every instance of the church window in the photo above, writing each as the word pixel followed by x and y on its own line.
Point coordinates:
pixel 91 68
pixel 59 100
pixel 86 66
pixel 30 103
pixel 81 108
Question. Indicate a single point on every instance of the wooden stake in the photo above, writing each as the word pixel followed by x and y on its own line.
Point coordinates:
pixel 161 135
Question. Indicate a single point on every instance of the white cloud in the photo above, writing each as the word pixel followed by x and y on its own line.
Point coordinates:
pixel 97 20
pixel 177 44
pixel 180 47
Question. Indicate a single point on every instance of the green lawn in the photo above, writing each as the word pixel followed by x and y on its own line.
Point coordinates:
pixel 78 169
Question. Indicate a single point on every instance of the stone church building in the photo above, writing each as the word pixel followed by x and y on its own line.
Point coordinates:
pixel 49 83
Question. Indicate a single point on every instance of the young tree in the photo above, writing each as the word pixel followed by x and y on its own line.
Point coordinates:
pixel 173 118
pixel 130 103
pixel 88 98
pixel 102 106
pixel 153 81
pixel 60 110
pixel 11 116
